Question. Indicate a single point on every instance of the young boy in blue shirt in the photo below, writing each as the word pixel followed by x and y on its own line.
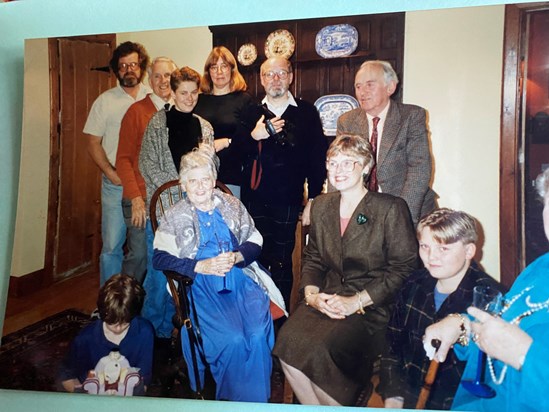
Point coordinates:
pixel 447 245
pixel 119 329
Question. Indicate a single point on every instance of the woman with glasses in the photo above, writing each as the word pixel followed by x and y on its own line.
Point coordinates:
pixel 221 102
pixel 210 237
pixel 361 248
pixel 169 135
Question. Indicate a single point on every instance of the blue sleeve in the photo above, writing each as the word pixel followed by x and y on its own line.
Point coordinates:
pixel 250 251
pixel 532 384
pixel 165 261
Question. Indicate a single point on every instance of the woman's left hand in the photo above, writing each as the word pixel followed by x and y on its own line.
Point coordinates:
pixel 218 265
pixel 499 339
pixel 343 305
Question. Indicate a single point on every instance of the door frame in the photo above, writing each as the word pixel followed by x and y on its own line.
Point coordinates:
pixel 511 213
pixel 55 132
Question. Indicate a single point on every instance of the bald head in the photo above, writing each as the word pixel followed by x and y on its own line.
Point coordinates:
pixel 276 77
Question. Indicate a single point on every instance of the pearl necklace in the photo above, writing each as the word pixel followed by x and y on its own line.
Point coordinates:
pixel 532 308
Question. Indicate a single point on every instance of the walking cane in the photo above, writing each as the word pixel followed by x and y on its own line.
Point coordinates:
pixel 429 379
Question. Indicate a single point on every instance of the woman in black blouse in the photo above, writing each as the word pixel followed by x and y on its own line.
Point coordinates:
pixel 222 99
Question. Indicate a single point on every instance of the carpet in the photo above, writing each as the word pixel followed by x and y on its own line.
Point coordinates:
pixel 30 357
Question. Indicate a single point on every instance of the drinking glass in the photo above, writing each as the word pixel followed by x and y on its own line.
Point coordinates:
pixel 489 300
pixel 223 247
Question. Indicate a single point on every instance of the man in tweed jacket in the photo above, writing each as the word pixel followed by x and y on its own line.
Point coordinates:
pixel 404 166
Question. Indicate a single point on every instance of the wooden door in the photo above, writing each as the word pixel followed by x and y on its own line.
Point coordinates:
pixel 79 74
pixel 523 153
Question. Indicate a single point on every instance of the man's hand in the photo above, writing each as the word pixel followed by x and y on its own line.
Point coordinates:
pixel 139 213
pixel 260 131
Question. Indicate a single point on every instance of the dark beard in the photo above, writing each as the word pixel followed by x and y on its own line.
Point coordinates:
pixel 129 81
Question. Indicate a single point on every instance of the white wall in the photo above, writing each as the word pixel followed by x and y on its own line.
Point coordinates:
pixel 30 225
pixel 187 47
pixel 453 68
pixel 453 64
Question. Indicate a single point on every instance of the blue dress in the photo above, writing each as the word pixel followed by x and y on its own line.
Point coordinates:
pixel 236 327
pixel 523 390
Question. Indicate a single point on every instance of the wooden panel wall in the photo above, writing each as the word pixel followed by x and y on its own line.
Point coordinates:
pixel 381 36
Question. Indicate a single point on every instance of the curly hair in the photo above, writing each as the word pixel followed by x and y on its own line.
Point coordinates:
pixel 127 48
pixel 185 74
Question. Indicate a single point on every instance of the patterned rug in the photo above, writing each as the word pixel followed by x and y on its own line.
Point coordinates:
pixel 30 357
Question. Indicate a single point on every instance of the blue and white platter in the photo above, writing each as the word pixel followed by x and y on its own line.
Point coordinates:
pixel 336 41
pixel 330 107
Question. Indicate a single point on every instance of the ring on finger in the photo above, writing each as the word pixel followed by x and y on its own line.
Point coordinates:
pixel 476 337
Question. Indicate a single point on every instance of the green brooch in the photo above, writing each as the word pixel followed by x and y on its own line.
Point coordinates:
pixel 361 219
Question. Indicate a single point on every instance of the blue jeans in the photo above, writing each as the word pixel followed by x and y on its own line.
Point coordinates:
pixel 113 230
pixel 135 261
pixel 158 306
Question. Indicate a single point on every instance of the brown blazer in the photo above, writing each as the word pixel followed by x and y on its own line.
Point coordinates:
pixel 376 255
pixel 404 166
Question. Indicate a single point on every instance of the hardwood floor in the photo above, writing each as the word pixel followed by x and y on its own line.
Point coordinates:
pixel 79 292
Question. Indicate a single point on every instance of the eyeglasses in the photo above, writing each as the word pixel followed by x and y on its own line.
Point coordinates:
pixel 123 67
pixel 270 75
pixel 205 182
pixel 223 68
pixel 346 165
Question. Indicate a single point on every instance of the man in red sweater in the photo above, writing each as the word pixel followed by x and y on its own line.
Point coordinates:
pixel 132 130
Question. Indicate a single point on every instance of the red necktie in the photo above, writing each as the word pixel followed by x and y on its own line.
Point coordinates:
pixel 372 183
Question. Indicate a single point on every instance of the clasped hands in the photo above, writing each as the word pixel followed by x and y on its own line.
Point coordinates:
pixel 499 339
pixel 332 305
pixel 219 265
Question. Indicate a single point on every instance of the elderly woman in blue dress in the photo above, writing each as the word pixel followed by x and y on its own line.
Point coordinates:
pixel 515 343
pixel 169 135
pixel 210 237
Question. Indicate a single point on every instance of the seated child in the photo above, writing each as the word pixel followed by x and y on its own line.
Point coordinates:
pixel 445 285
pixel 120 333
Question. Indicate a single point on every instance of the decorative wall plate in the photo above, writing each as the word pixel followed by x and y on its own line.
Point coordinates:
pixel 330 107
pixel 336 41
pixel 247 54
pixel 280 43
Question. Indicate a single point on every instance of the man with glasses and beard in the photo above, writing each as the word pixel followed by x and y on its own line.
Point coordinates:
pixel 129 62
pixel 283 146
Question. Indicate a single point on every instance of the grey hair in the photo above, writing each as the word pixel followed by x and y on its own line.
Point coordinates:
pixel 199 157
pixel 389 74
pixel 542 184
pixel 160 59
pixel 266 62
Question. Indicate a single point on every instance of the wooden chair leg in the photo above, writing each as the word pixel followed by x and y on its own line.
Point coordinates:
pixel 288 392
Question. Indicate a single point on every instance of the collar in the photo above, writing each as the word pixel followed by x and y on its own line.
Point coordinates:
pixel 382 116
pixel 141 94
pixel 159 102
pixel 279 110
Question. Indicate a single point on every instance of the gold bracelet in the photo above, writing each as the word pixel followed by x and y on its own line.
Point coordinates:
pixel 360 310
pixel 307 295
pixel 463 338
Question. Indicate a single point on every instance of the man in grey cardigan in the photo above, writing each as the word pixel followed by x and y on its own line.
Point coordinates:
pixel 404 165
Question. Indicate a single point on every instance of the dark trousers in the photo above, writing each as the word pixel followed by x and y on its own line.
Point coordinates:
pixel 277 226
pixel 135 261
